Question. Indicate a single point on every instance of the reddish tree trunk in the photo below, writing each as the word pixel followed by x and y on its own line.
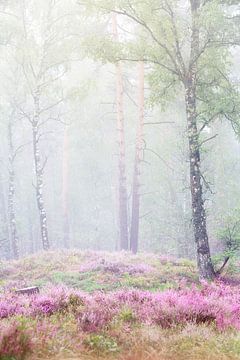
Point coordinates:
pixel 122 181
pixel 65 188
pixel 134 236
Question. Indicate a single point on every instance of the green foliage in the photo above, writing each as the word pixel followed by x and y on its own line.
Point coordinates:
pixel 230 233
pixel 127 315
pixel 232 265
pixel 164 87
pixel 151 283
pixel 102 344
pixel 86 281
pixel 167 33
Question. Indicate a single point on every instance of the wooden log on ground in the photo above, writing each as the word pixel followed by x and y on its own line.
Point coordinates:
pixel 28 290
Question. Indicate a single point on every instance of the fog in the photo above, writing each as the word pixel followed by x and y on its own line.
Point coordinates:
pixel 94 132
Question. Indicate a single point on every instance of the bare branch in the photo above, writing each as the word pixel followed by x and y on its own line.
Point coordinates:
pixel 206 140
pixel 156 154
pixel 52 106
pixel 159 123
pixel 19 149
pixel 141 22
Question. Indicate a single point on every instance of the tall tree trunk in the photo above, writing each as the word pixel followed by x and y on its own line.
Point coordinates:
pixel 39 168
pixel 122 181
pixel 5 245
pixel 204 261
pixel 14 240
pixel 180 227
pixel 31 237
pixel 65 187
pixel 134 235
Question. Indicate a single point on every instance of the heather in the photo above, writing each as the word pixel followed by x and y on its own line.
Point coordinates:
pixel 216 303
pixel 91 271
pixel 181 319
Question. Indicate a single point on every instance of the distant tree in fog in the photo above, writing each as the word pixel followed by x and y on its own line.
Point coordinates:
pixel 139 154
pixel 122 180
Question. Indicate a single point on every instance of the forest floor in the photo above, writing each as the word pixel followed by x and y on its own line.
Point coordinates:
pixel 96 305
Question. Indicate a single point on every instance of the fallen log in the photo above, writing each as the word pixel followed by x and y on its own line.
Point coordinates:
pixel 28 290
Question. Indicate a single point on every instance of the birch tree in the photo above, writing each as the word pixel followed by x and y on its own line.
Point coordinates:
pixel 188 47
pixel 13 233
pixel 44 57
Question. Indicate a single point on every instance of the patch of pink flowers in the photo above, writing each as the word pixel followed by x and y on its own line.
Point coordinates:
pixel 211 303
pixel 15 342
pixel 118 268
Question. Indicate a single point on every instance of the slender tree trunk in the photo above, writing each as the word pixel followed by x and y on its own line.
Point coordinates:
pixel 179 229
pixel 134 236
pixel 122 181
pixel 204 261
pixel 39 168
pixel 31 236
pixel 5 243
pixel 65 187
pixel 14 240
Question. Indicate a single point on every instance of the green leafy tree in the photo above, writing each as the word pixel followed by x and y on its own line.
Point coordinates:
pixel 188 47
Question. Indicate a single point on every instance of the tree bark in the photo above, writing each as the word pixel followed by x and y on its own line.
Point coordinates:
pixel 39 169
pixel 14 240
pixel 122 181
pixel 205 266
pixel 65 187
pixel 5 246
pixel 134 235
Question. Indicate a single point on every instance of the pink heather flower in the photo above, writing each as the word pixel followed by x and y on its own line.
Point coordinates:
pixel 217 302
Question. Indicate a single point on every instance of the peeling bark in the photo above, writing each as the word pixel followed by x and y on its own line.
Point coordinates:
pixel 39 169
pixel 5 246
pixel 205 266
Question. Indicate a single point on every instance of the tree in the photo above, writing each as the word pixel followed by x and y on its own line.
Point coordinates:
pixel 43 63
pixel 187 48
pixel 139 149
pixel 65 187
pixel 122 181
pixel 14 240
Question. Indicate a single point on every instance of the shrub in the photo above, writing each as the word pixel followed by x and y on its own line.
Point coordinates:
pixel 127 315
pixel 15 342
pixel 117 268
pixel 217 303
pixel 101 344
pixel 230 234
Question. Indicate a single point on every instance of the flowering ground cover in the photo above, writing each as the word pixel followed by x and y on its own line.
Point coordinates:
pixel 114 308
pixel 91 271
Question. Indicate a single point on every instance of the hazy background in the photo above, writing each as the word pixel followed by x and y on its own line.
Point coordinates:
pixel 78 138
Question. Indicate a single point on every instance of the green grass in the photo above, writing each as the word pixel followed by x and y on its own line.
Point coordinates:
pixel 124 338
pixel 64 268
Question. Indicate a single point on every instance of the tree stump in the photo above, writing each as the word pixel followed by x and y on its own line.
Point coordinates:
pixel 29 290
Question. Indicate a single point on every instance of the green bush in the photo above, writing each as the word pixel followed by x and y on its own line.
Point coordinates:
pixel 230 234
pixel 101 344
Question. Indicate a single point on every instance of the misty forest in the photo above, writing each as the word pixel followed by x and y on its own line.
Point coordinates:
pixel 120 179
